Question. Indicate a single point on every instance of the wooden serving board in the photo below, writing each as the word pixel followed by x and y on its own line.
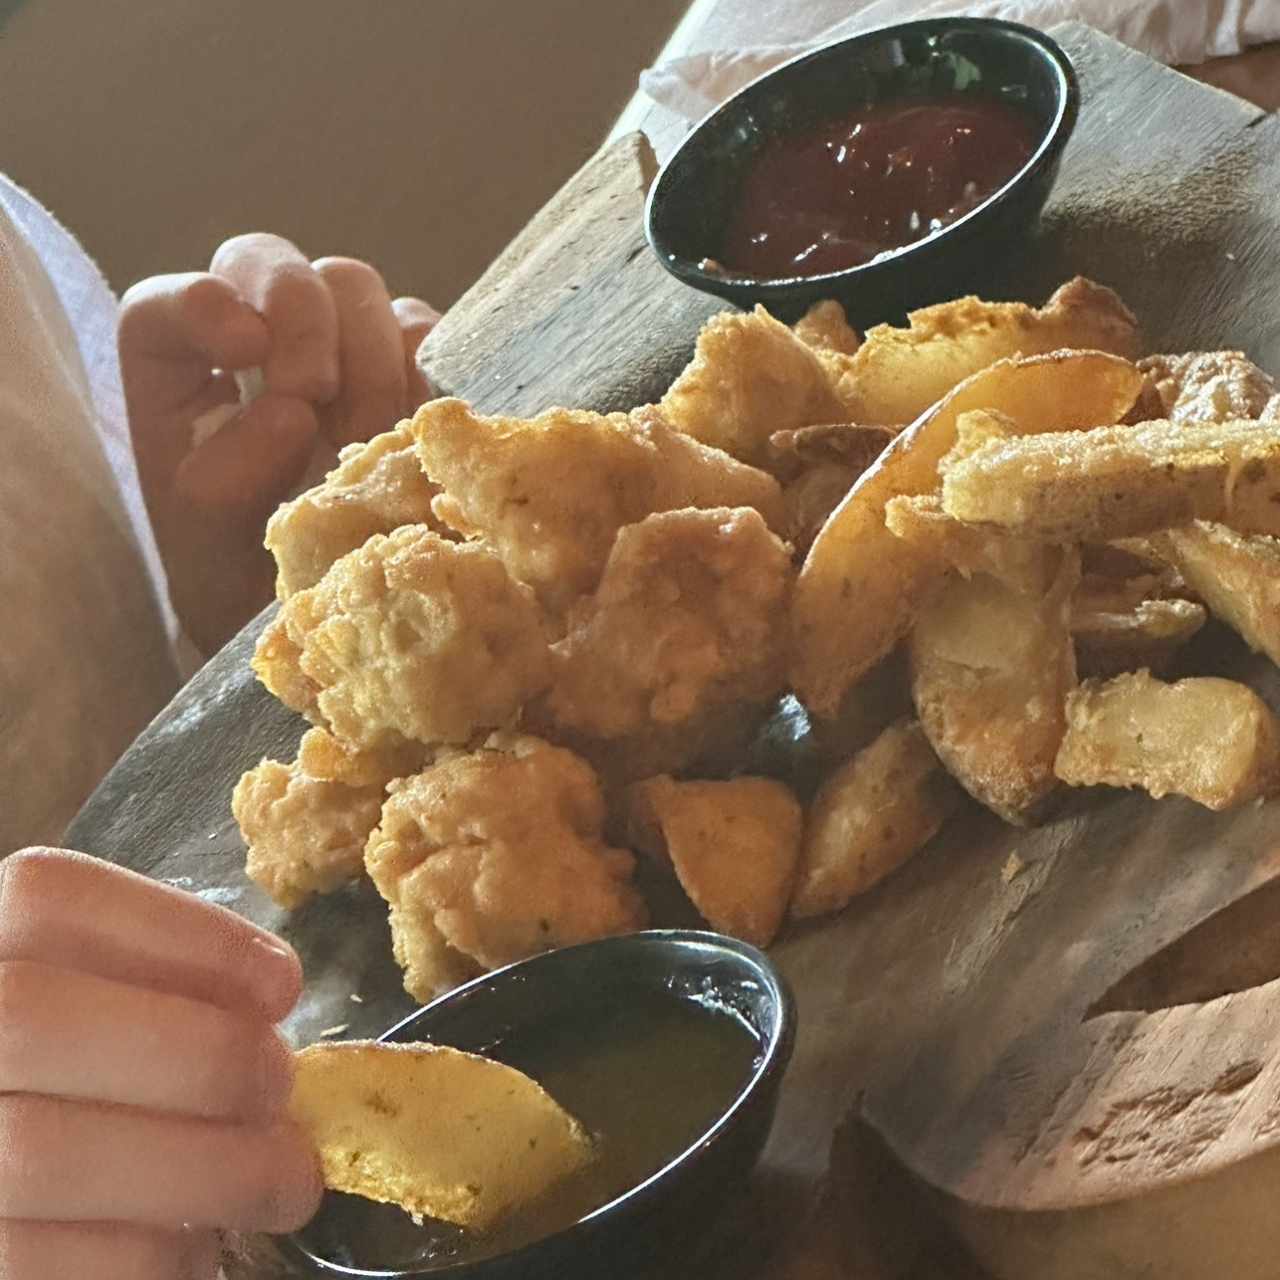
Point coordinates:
pixel 1064 1039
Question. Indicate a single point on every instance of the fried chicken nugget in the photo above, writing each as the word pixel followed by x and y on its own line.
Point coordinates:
pixel 499 853
pixel 826 329
pixel 1208 386
pixel 550 493
pixel 375 488
pixel 686 619
pixel 277 662
pixel 409 637
pixel 304 835
pixel 749 377
pixel 322 756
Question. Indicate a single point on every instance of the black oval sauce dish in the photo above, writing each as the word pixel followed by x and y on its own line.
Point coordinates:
pixel 1000 72
pixel 668 1045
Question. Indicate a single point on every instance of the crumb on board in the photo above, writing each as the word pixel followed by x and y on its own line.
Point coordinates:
pixel 329 1032
pixel 356 998
pixel 1012 867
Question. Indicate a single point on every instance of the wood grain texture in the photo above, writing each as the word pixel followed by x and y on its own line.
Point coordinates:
pixel 955 1004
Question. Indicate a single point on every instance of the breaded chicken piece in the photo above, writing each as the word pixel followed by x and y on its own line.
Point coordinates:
pixel 826 329
pixel 430 965
pixel 277 662
pixel 322 756
pixel 304 835
pixel 409 637
pixel 375 488
pixel 500 853
pixel 1208 386
pixel 550 493
pixel 688 617
pixel 749 377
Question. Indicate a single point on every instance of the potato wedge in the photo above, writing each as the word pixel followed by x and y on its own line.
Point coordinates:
pixel 1145 634
pixel 1097 485
pixel 1213 741
pixel 990 671
pixel 869 817
pixel 439 1132
pixel 843 442
pixel 896 374
pixel 810 498
pixel 1238 577
pixel 1017 562
pixel 859 587
pixel 818 466
pixel 734 846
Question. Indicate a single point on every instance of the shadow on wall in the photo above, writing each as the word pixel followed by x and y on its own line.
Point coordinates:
pixel 420 134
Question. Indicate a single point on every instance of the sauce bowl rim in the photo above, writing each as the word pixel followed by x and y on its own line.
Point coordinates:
pixel 1055 136
pixel 773 1057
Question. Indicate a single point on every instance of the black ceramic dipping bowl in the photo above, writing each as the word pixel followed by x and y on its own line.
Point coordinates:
pixel 670 1212
pixel 690 202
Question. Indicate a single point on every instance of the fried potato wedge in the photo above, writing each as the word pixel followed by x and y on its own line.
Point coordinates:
pixel 869 817
pixel 1146 634
pixel 990 671
pixel 439 1132
pixel 1238 577
pixel 859 586
pixel 734 846
pixel 896 374
pixel 1214 741
pixel 1017 562
pixel 1098 485
pixel 818 466
pixel 845 442
pixel 809 499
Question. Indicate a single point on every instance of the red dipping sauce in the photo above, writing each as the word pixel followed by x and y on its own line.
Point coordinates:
pixel 878 178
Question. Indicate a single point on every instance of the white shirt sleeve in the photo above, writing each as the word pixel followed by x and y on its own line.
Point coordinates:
pixel 86 655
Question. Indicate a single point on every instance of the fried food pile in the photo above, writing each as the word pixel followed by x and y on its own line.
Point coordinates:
pixel 765 634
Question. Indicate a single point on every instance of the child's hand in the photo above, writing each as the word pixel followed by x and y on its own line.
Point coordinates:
pixel 337 358
pixel 143 1086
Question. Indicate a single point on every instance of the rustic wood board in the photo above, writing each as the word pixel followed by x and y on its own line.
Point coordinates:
pixel 1168 192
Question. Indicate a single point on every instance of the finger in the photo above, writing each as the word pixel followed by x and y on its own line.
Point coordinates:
pixel 105 1251
pixel 247 467
pixel 74 1035
pixel 74 912
pixel 276 279
pixel 373 397
pixel 417 319
pixel 83 1162
pixel 174 331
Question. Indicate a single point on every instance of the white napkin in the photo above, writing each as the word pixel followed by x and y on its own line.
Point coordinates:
pixel 1177 32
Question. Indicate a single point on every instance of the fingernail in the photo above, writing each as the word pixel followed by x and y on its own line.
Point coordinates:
pixel 279 974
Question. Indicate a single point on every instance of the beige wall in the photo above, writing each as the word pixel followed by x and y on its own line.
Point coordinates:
pixel 419 134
